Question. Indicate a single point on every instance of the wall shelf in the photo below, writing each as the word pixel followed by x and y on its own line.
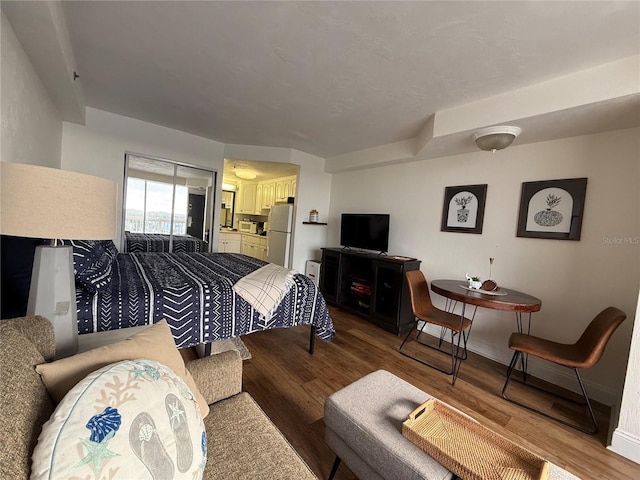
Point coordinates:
pixel 313 223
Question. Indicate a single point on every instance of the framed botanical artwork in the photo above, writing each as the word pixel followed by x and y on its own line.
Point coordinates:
pixel 463 209
pixel 552 209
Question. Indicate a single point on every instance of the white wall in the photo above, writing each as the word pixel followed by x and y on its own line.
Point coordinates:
pixel 99 147
pixel 31 124
pixel 314 188
pixel 574 280
pixel 626 437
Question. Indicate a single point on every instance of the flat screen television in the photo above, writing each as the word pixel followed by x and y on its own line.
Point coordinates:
pixel 368 231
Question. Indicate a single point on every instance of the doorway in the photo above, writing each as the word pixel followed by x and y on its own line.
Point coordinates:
pixel 195 216
pixel 167 199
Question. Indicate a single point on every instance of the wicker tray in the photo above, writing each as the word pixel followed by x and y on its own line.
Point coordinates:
pixel 468 449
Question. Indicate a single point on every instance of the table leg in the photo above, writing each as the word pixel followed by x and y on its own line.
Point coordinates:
pixel 520 324
pixel 449 305
pixel 458 360
pixel 455 361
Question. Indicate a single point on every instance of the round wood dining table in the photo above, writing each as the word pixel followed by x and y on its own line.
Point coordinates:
pixel 502 299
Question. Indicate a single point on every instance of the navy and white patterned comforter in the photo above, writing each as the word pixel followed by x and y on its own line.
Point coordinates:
pixel 193 292
pixel 155 242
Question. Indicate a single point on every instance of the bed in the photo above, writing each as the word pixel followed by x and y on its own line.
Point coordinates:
pixel 192 291
pixel 153 242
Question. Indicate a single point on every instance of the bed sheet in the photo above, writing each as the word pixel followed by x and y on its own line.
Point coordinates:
pixel 153 242
pixel 193 292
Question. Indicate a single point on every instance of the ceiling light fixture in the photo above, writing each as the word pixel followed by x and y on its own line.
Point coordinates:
pixel 496 138
pixel 245 174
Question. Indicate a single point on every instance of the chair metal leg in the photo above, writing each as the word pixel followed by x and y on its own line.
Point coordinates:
pixel 512 365
pixel 415 324
pixel 456 358
pixel 456 361
pixel 334 468
pixel 440 340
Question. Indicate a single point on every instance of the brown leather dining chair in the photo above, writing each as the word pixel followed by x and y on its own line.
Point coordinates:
pixel 585 353
pixel 423 310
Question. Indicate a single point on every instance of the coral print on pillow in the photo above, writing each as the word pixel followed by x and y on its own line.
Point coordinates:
pixel 132 419
pixel 93 262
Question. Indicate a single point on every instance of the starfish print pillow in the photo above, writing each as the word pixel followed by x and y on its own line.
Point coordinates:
pixel 131 419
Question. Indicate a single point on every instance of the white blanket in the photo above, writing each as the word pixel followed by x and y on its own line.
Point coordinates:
pixel 265 288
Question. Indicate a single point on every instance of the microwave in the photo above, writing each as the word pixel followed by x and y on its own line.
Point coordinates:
pixel 247 227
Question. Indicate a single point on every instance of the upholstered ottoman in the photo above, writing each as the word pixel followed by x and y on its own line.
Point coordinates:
pixel 364 429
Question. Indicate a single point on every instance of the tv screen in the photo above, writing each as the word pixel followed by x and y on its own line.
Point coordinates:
pixel 365 230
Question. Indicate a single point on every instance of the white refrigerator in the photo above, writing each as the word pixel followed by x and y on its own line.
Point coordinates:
pixel 279 234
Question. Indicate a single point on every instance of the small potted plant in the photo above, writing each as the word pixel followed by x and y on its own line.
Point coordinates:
pixel 474 282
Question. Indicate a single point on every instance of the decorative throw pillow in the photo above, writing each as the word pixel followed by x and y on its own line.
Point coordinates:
pixel 93 262
pixel 132 419
pixel 153 343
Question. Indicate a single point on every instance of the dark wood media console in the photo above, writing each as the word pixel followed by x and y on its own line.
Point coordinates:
pixel 369 285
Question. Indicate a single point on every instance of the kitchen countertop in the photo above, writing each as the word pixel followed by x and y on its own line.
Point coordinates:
pixel 225 230
pixel 255 235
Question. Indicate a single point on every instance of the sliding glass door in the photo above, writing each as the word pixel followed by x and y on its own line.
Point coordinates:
pixel 167 206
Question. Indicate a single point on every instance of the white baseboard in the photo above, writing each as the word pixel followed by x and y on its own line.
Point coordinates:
pixel 565 378
pixel 625 444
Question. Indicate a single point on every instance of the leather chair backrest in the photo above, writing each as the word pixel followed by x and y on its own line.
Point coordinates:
pixel 419 293
pixel 593 341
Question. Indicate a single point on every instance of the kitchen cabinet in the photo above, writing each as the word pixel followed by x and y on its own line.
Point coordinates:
pixel 284 188
pixel 262 249
pixel 259 197
pixel 239 195
pixel 270 195
pixel 370 286
pixel 229 242
pixel 288 189
pixel 247 198
pixel 266 196
pixel 247 248
pixel 254 246
pixel 269 192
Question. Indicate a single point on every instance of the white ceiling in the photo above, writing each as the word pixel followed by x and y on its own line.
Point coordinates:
pixel 263 170
pixel 330 78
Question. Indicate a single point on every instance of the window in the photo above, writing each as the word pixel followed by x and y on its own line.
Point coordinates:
pixel 167 198
pixel 148 207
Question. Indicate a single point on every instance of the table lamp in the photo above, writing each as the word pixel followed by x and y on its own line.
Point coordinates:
pixel 41 202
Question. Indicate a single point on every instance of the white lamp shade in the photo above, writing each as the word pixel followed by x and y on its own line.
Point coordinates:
pixel 41 202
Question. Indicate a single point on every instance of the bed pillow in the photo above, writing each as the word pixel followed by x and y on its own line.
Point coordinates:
pixel 153 343
pixel 131 419
pixel 93 262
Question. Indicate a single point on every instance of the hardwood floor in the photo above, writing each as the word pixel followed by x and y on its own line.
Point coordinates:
pixel 290 385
